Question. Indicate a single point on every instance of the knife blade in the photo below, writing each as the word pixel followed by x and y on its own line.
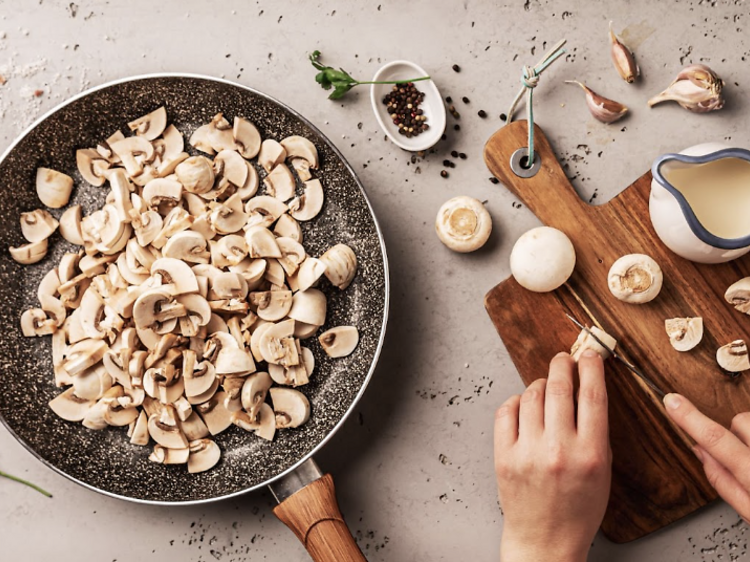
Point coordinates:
pixel 632 368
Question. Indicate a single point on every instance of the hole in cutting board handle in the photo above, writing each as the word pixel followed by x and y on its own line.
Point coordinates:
pixel 520 159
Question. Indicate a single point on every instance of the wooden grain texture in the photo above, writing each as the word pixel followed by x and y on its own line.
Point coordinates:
pixel 656 478
pixel 314 516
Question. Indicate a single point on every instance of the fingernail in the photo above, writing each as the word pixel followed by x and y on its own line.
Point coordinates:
pixel 590 353
pixel 562 354
pixel 672 401
pixel 698 453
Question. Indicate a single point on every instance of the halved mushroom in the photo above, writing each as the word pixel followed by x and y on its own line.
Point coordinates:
pixel 277 344
pixel 194 428
pixel 228 217
pixel 271 154
pixel 264 425
pixel 133 151
pixel 54 309
pixel 229 250
pixel 196 174
pixel 309 272
pixel 120 194
pixel 257 333
pixel 272 305
pixel 204 454
pixel 53 187
pixel 300 147
pixel 341 265
pixel 254 390
pixel 302 167
pixel 200 383
pixel 262 243
pixel 187 246
pixel 309 306
pixel 147 226
pixel 304 331
pixel 175 272
pixel 162 190
pixel 585 341
pixel 199 140
pixel 117 415
pixel 197 314
pixel 150 125
pixel 92 383
pixel 171 150
pixel 37 225
pixel 252 270
pixel 165 430
pixel 156 306
pixel 29 253
pixel 70 406
pixel 220 135
pixel 263 210
pixel 49 284
pixel 234 362
pixel 308 205
pixel 83 355
pixel 684 333
pixel 293 254
pixel 70 225
pixel 92 166
pixel 275 275
pixel 250 187
pixel 733 357
pixel 280 183
pixel 292 408
pixel 339 341
pixel 139 433
pixel 228 285
pixel 162 455
pixel 34 322
pixel 230 166
pixel 738 295
pixel 246 138
pixel 287 227
pixel 216 417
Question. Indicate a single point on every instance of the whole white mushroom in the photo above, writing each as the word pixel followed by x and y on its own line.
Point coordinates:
pixel 542 259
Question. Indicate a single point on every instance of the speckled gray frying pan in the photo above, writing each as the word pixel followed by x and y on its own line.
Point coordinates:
pixel 105 460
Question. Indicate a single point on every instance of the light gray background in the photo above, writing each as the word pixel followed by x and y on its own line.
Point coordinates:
pixel 413 466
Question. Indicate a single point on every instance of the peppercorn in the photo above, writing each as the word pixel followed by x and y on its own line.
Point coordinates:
pixel 444 173
pixel 465 99
pixel 503 117
pixel 454 154
pixel 456 127
pixel 462 156
pixel 448 100
pixel 482 113
pixel 494 180
pixel 456 68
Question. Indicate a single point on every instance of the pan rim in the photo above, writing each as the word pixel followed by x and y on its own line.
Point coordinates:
pixel 386 277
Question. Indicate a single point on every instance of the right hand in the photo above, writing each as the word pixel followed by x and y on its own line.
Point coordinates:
pixel 725 453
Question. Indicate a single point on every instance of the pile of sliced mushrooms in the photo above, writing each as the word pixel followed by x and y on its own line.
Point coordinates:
pixel 187 280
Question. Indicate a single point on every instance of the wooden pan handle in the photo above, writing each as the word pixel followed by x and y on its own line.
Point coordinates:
pixel 314 516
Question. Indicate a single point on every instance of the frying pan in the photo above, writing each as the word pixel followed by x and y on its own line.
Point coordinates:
pixel 105 461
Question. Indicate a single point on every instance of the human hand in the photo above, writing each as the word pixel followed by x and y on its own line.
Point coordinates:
pixel 724 452
pixel 553 470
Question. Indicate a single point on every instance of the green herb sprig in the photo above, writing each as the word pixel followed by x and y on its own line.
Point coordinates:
pixel 328 77
pixel 25 483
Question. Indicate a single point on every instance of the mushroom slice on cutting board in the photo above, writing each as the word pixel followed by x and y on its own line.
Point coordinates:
pixel 684 333
pixel 635 278
pixel 585 341
pixel 733 357
pixel 738 295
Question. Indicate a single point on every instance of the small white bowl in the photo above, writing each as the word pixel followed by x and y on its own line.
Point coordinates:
pixel 432 105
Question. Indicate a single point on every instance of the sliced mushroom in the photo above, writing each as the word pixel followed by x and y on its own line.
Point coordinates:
pixel 246 138
pixel 194 428
pixel 300 147
pixel 275 275
pixel 635 278
pixel 147 226
pixel 177 273
pixel 229 250
pixel 92 166
pixel 156 306
pixel 83 355
pixel 220 135
pixel 199 140
pixel 29 253
pixel 34 322
pixel 272 305
pixel 70 225
pixel 341 265
pixel 49 284
pixel 162 190
pixel 177 220
pixel 53 187
pixel 288 227
pixel 339 341
pixel 133 151
pixel 309 306
pixel 234 362
pixel 252 270
pixel 271 154
pixel 216 417
pixel 37 225
pixel 164 429
pixel 302 167
pixel 309 272
pixel 139 434
pixel 277 344
pixel 684 333
pixel 117 415
pixel 308 205
pixel 280 183
pixel 204 454
pixel 92 383
pixel 733 357
pixel 264 425
pixel 292 408
pixel 201 382
pixel 187 246
pixel 585 341
pixel 150 125
pixel 264 210
pixel 228 217
pixel 228 285
pixel 738 295
pixel 197 314
pixel 70 406
pixel 230 166
pixel 250 187
pixel 293 254
pixel 254 390
pixel 304 331
pixel 162 455
pixel 262 243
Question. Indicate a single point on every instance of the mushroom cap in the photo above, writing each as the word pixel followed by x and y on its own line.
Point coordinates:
pixel 309 306
pixel 196 174
pixel 542 259
pixel 254 391
pixel 300 147
pixel 341 265
pixel 271 154
pixel 684 333
pixel 37 225
pixel 308 205
pixel 280 183
pixel 70 406
pixel 187 246
pixel 53 187
pixel 176 272
pixel 272 305
pixel 292 408
pixel 288 227
pixel 204 454
pixel 733 357
pixel 635 278
pixel 150 125
pixel 463 224
pixel 29 253
pixel 246 138
pixel 70 225
pixel 262 243
pixel 339 341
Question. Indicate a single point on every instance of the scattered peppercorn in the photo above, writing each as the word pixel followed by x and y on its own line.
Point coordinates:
pixel 403 106
pixel 454 154
pixel 503 117
pixel 456 127
pixel 465 99
pixel 443 136
pixel 462 156
pixel 447 163
pixel 444 173
pixel 448 99
pixel 494 180
pixel 456 68
pixel 482 113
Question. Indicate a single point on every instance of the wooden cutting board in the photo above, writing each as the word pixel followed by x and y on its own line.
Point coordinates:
pixel 656 478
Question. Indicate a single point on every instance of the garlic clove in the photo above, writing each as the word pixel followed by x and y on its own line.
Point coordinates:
pixel 684 333
pixel 696 88
pixel 603 109
pixel 623 58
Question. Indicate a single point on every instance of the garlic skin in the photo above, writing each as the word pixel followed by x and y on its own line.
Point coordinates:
pixel 623 58
pixel 696 88
pixel 603 109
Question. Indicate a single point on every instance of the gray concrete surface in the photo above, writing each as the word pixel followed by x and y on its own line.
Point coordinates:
pixel 413 467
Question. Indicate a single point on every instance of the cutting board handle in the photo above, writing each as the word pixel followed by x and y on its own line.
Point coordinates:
pixel 314 515
pixel 548 194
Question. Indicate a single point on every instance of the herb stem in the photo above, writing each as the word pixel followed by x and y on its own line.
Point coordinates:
pixel 397 81
pixel 25 483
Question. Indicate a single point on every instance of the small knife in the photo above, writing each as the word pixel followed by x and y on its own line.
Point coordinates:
pixel 629 365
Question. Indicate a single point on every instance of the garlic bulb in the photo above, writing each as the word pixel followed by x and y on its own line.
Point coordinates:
pixel 603 109
pixel 696 88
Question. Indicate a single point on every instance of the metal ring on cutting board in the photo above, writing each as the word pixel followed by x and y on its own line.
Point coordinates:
pixel 517 158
